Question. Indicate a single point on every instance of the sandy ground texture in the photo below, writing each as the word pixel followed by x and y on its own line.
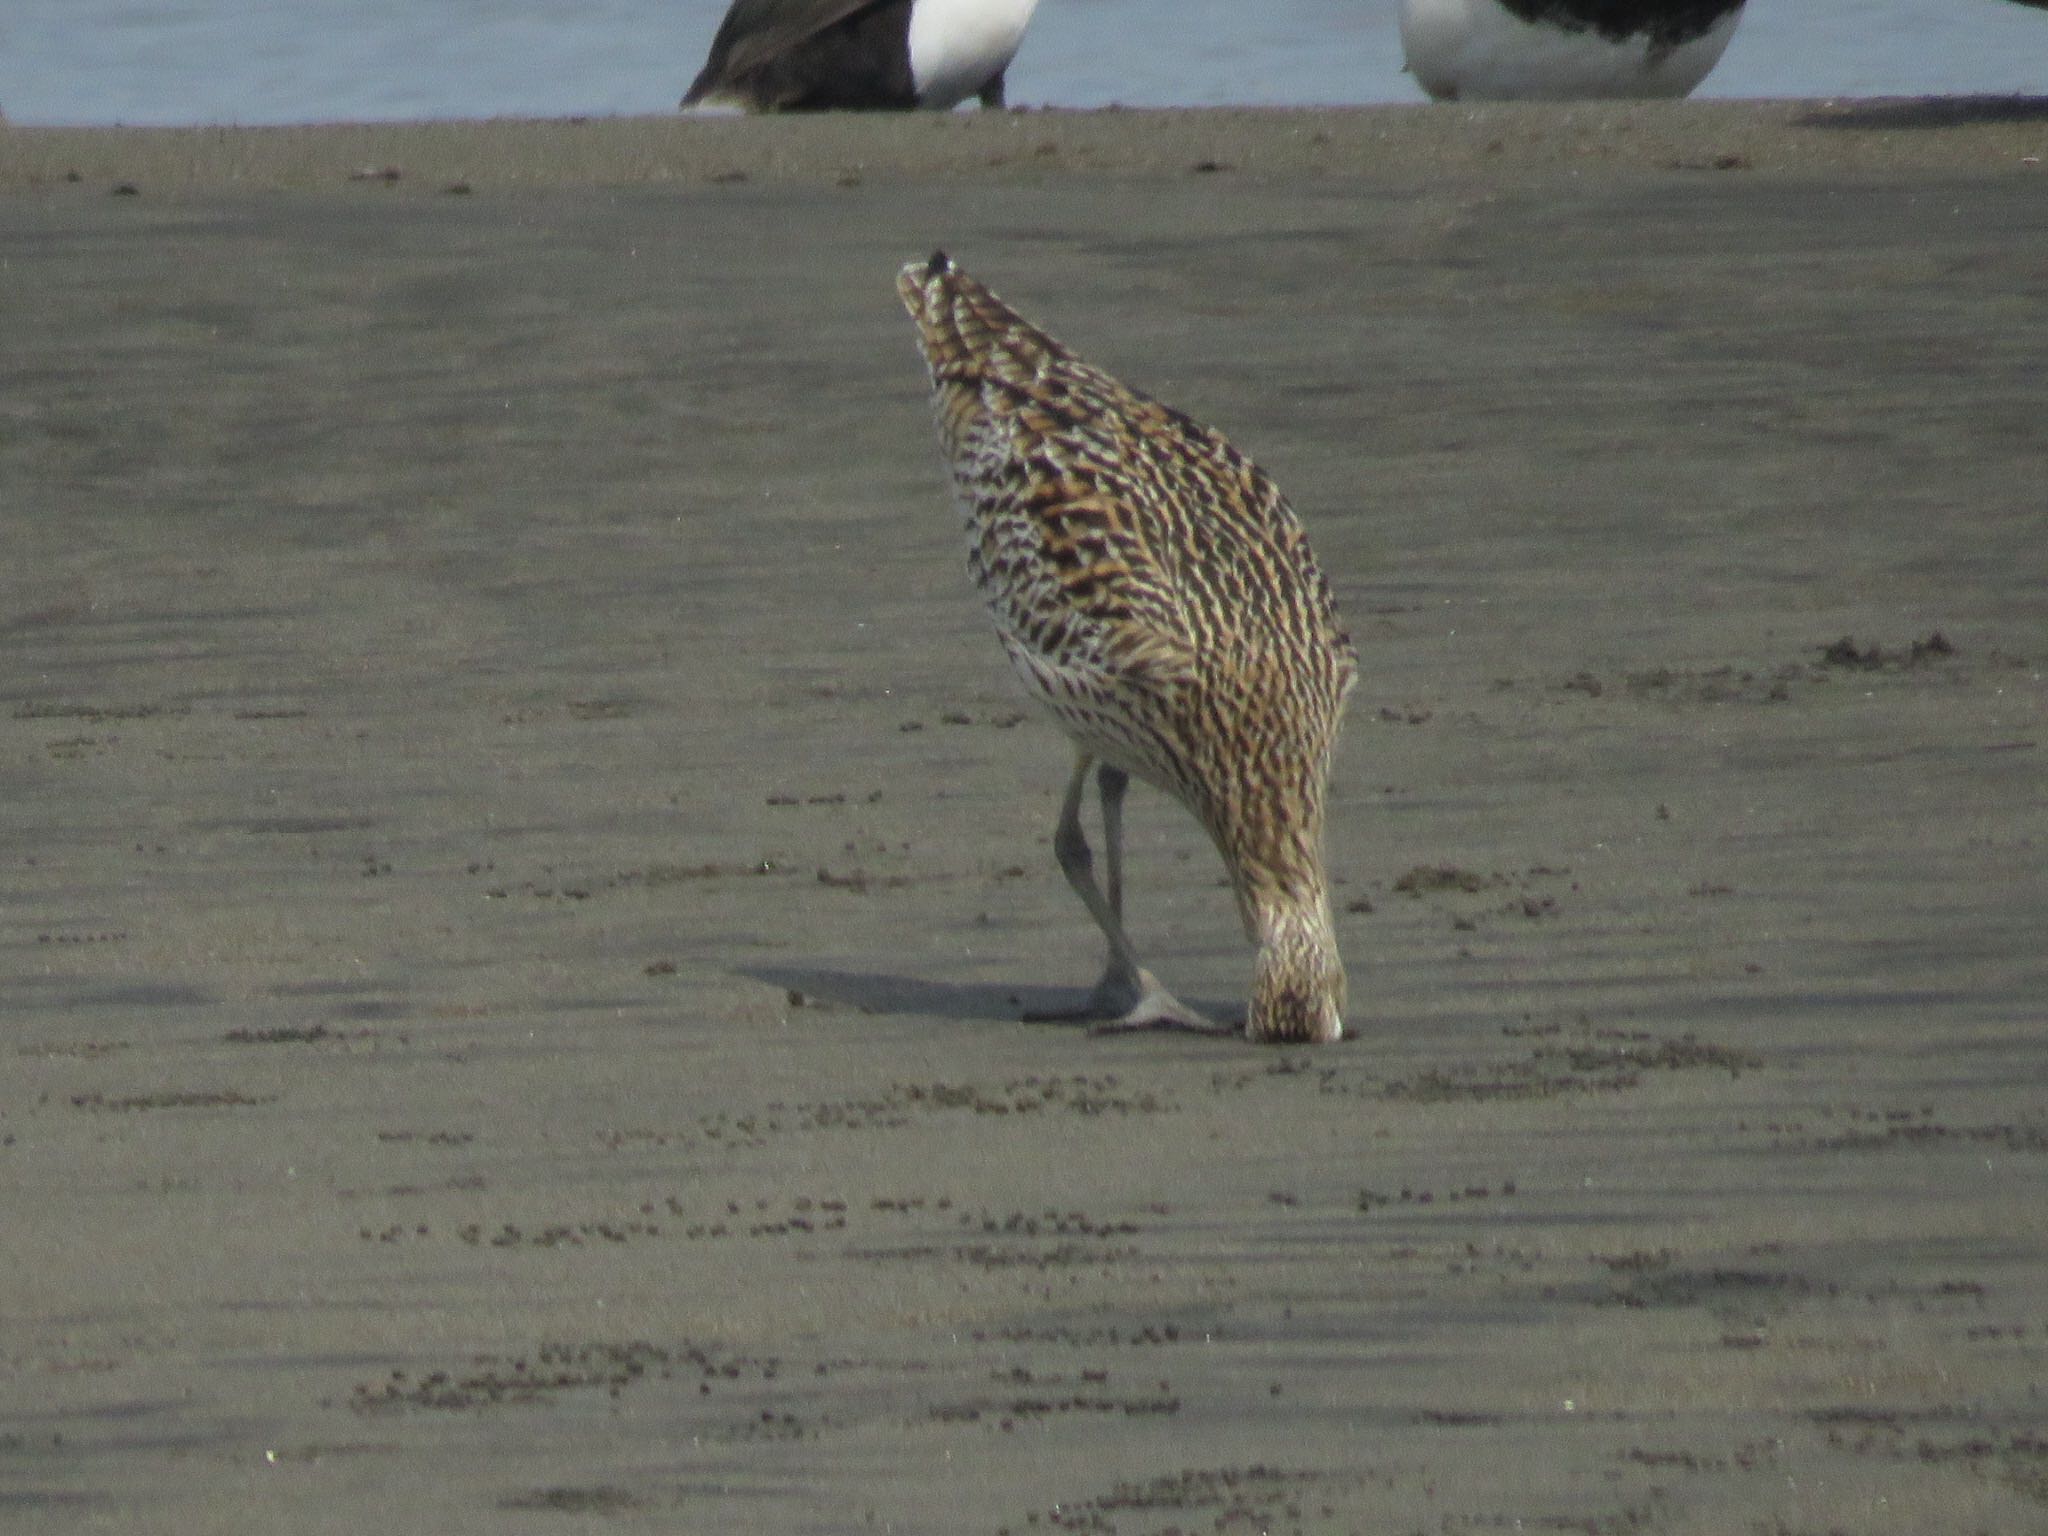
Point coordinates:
pixel 520 865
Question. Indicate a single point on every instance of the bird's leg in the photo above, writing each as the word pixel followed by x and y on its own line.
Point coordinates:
pixel 1119 985
pixel 1127 996
pixel 1110 784
pixel 1153 1006
pixel 992 93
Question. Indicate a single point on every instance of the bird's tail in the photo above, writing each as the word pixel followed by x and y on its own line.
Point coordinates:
pixel 966 331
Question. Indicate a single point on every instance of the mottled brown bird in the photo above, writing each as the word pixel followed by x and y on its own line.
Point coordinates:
pixel 1155 592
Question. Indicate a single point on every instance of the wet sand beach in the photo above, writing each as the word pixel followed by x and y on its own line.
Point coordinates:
pixel 521 865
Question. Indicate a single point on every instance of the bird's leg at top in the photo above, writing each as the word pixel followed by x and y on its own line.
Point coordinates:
pixel 1155 1007
pixel 992 93
pixel 1128 996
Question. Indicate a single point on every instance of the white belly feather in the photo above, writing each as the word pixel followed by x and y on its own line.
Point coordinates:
pixel 957 46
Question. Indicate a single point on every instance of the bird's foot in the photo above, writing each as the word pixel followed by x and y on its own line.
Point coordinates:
pixel 1122 1004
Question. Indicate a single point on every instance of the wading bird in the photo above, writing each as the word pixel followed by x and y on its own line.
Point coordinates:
pixel 1156 593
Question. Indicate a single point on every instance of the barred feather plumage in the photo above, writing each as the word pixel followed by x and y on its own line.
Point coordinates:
pixel 1157 594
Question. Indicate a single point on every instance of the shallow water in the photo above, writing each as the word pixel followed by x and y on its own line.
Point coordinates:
pixel 253 61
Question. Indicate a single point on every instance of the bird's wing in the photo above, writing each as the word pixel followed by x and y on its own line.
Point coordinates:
pixel 1064 557
pixel 1117 531
pixel 756 32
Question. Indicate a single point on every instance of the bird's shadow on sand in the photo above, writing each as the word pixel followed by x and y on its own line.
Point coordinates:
pixel 886 992
pixel 1928 112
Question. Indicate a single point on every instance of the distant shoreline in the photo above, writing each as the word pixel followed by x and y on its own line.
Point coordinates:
pixel 1881 136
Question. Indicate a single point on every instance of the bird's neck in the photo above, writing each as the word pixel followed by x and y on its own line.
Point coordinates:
pixel 1298 986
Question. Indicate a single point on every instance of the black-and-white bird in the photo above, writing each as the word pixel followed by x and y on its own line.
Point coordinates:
pixel 859 55
pixel 1558 50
